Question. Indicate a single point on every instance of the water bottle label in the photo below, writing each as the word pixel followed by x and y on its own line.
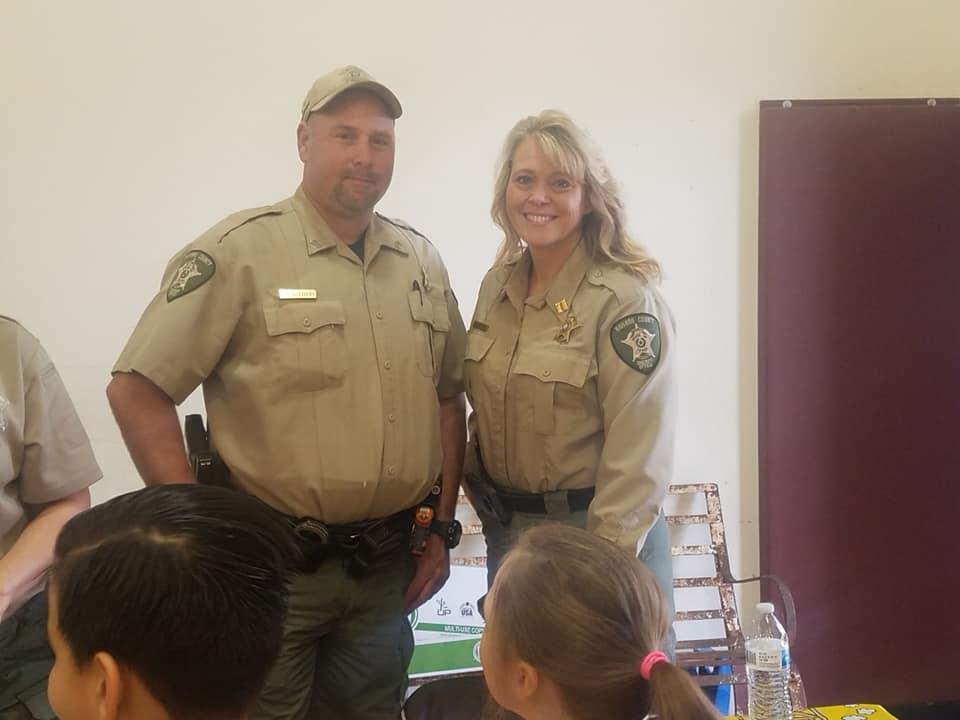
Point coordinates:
pixel 771 659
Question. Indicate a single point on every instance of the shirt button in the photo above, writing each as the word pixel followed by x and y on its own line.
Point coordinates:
pixel 391 417
pixel 597 274
pixel 379 315
pixel 546 373
pixel 391 470
pixel 306 322
pixel 387 364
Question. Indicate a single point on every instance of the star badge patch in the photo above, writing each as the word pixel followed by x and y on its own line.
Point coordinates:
pixel 196 268
pixel 636 340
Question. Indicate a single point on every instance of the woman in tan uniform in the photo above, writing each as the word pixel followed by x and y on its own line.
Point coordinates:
pixel 570 361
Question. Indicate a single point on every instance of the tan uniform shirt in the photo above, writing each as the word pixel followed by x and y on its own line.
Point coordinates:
pixel 576 389
pixel 45 454
pixel 321 372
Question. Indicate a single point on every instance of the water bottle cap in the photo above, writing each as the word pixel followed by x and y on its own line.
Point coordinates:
pixel 765 608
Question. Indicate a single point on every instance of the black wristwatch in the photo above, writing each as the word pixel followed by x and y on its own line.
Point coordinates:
pixel 449 530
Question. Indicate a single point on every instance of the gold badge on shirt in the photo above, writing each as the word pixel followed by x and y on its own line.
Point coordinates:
pixel 569 324
pixel 563 332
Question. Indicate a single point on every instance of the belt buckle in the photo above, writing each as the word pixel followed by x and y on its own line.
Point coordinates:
pixel 351 543
pixel 557 503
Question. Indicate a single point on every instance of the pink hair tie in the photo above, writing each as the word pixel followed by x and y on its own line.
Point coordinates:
pixel 651 659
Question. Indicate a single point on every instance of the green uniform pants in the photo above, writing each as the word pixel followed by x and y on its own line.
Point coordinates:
pixel 346 646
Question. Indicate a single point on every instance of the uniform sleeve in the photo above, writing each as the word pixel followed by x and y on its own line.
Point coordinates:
pixel 636 359
pixel 475 349
pixel 57 458
pixel 186 327
pixel 450 383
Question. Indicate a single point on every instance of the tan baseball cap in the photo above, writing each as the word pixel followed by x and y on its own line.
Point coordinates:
pixel 328 86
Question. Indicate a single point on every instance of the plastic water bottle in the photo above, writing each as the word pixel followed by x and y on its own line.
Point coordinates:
pixel 768 667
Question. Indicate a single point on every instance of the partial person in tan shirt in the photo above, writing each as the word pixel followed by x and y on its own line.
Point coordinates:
pixel 329 346
pixel 46 468
pixel 571 360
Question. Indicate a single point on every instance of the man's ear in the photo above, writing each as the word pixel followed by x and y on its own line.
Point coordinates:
pixel 303 136
pixel 108 679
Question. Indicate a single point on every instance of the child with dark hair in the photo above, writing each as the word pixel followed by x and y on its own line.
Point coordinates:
pixel 575 631
pixel 167 603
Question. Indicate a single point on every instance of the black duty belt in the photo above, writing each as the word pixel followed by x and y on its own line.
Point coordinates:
pixel 347 534
pixel 363 546
pixel 535 504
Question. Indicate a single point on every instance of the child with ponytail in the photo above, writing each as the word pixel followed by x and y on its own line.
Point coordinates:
pixel 574 630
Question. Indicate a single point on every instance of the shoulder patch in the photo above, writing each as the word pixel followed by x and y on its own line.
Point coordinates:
pixel 403 226
pixel 195 269
pixel 636 340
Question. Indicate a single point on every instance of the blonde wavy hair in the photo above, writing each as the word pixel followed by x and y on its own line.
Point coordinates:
pixel 573 151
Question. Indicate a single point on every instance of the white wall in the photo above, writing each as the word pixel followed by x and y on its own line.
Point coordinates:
pixel 127 128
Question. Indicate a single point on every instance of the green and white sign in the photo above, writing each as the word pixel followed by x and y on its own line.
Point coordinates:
pixel 447 628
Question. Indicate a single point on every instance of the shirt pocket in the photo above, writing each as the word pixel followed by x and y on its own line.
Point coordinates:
pixel 430 327
pixel 559 398
pixel 308 342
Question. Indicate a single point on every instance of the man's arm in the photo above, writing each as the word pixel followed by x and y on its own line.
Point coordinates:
pixel 453 440
pixel 23 565
pixel 151 429
pixel 433 567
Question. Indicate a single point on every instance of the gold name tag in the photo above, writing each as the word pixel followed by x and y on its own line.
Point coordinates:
pixel 296 294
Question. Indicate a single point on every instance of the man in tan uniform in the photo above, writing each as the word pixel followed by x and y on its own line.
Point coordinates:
pixel 329 345
pixel 46 466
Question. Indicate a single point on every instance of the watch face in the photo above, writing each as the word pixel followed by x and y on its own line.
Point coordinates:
pixel 449 530
pixel 454 534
